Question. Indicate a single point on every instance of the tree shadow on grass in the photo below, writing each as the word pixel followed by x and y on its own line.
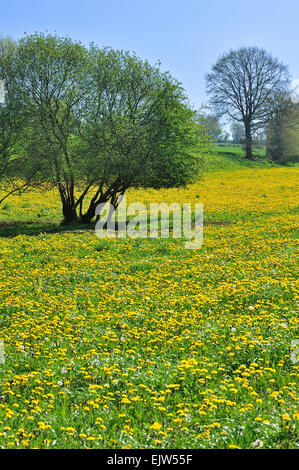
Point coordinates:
pixel 31 228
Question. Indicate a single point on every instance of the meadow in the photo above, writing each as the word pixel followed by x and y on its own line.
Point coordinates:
pixel 140 343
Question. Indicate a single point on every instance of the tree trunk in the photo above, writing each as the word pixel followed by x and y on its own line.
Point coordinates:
pixel 68 204
pixel 248 141
pixel 89 214
pixel 111 195
pixel 69 214
pixel 91 211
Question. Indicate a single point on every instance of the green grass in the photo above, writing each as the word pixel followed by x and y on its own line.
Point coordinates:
pixel 144 344
pixel 227 157
pixel 237 149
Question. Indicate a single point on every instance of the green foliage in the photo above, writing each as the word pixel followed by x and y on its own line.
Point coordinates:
pixel 283 132
pixel 138 126
pixel 103 120
pixel 13 118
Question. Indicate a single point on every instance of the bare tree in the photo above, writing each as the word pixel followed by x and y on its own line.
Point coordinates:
pixel 242 84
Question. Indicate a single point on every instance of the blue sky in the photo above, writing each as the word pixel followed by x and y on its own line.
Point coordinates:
pixel 187 36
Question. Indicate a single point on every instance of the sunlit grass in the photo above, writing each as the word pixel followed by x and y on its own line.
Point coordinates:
pixel 144 344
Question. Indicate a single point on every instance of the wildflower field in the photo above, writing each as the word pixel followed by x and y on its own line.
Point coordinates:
pixel 141 343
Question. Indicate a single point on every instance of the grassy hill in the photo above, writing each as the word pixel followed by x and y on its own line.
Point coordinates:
pixel 232 157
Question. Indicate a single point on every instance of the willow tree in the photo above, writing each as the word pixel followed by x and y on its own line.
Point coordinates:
pixel 103 121
pixel 138 129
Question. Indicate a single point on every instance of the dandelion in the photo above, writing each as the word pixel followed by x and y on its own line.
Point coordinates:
pixel 156 426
